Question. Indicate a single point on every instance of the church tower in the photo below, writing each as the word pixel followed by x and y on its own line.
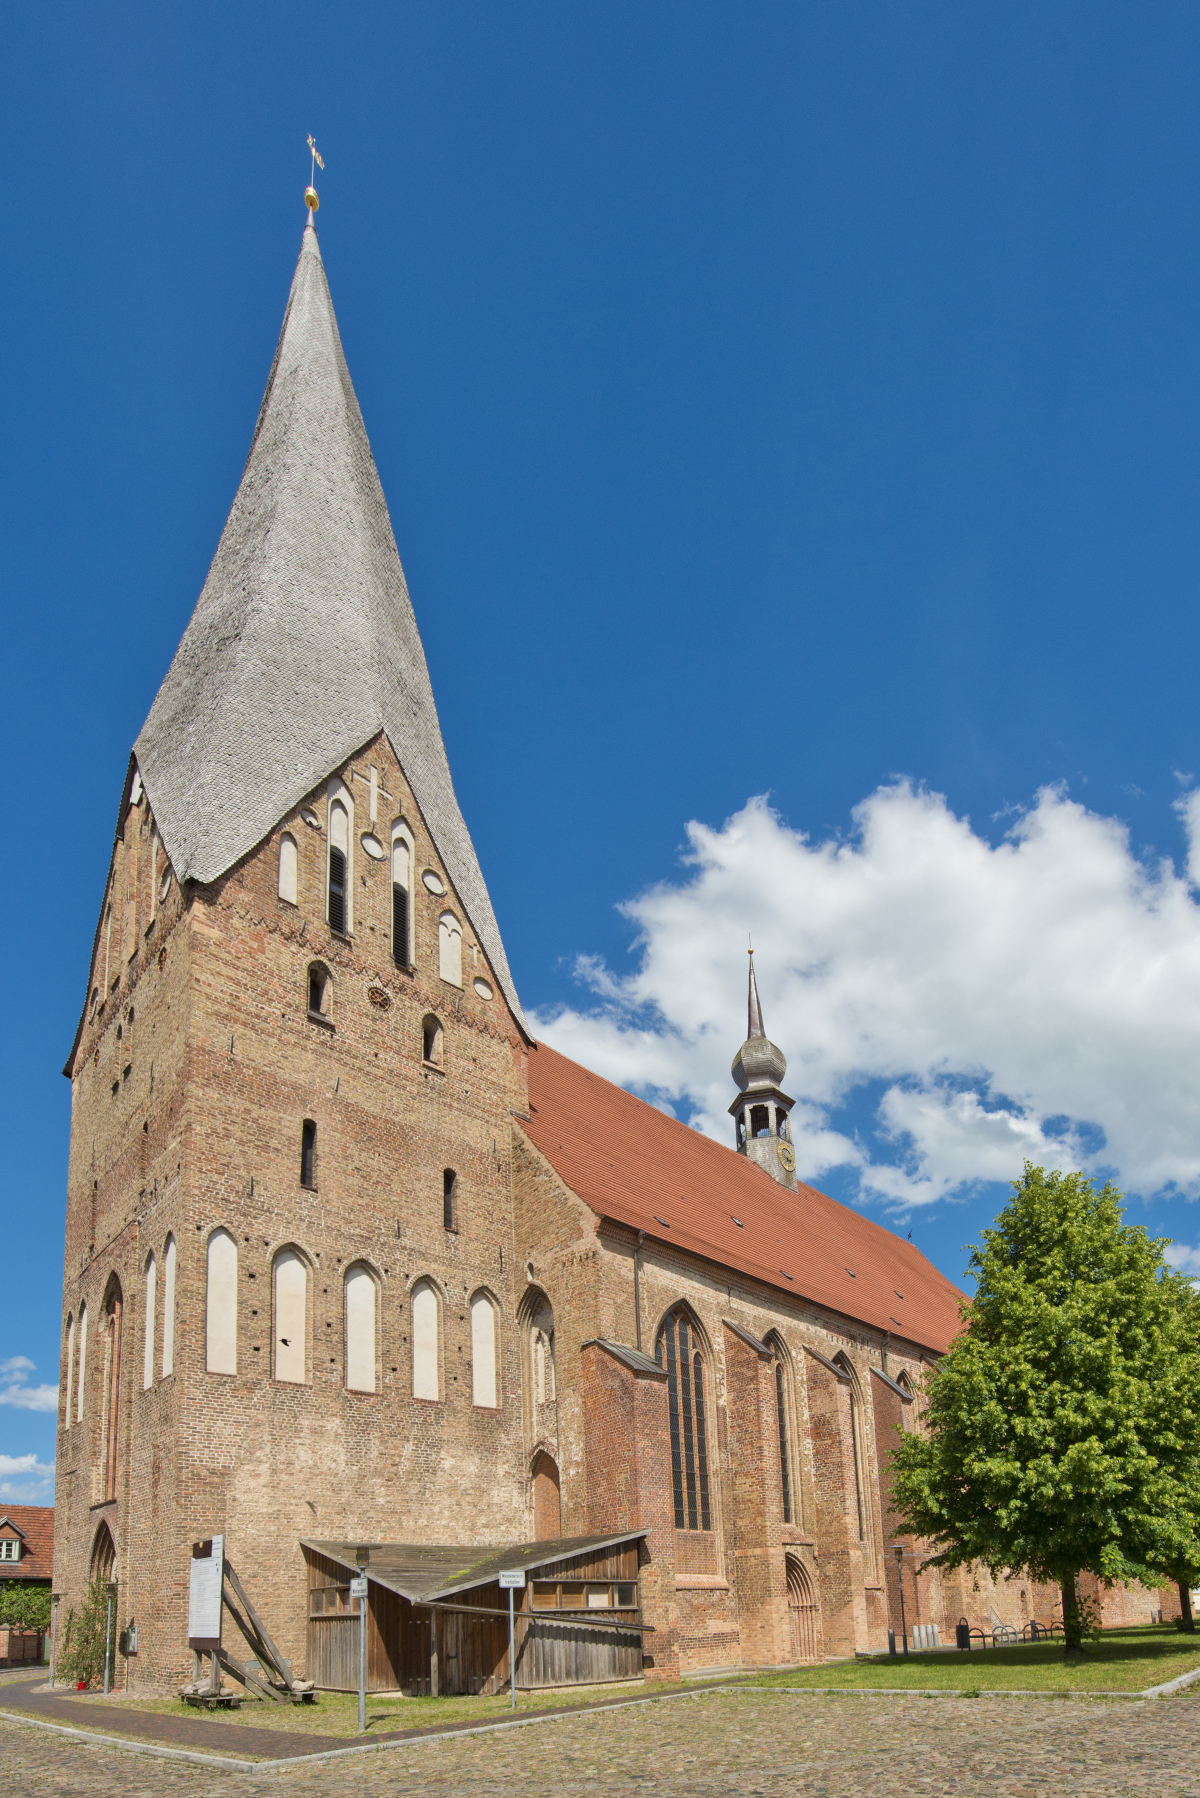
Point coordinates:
pixel 761 1107
pixel 290 1293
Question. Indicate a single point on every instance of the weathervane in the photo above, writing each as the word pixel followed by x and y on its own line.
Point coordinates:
pixel 310 192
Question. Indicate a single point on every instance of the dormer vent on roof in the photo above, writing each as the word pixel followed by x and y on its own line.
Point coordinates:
pixel 303 645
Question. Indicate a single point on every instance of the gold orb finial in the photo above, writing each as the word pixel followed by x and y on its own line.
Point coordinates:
pixel 310 192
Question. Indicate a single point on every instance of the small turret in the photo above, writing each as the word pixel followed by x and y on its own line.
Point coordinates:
pixel 761 1107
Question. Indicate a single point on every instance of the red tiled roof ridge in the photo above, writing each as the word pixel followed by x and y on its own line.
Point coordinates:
pixel 638 1166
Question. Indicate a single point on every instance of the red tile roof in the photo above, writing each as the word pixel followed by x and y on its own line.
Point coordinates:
pixel 36 1524
pixel 634 1164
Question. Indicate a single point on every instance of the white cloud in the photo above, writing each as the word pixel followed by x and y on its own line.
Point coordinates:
pixel 15 1389
pixel 24 1480
pixel 1039 997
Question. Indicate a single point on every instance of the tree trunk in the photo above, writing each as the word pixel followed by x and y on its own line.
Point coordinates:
pixel 1072 1621
pixel 1185 1606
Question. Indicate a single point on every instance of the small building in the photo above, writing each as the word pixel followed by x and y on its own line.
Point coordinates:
pixel 27 1544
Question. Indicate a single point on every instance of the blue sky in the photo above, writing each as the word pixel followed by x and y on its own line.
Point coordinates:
pixel 793 404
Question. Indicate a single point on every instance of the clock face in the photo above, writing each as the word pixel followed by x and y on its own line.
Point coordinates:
pixel 787 1156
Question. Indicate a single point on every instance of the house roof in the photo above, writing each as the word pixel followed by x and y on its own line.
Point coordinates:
pixel 303 645
pixel 421 1571
pixel 35 1523
pixel 633 1164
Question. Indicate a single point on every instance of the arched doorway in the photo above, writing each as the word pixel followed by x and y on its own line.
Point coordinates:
pixel 104 1555
pixel 802 1611
pixel 547 1500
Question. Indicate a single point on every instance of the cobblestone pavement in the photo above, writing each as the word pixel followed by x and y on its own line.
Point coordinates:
pixel 753 1744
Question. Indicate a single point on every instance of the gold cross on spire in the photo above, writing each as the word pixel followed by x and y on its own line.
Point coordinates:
pixel 310 192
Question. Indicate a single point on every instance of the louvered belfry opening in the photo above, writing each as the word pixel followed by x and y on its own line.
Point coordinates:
pixel 679 1351
pixel 337 891
pixel 399 926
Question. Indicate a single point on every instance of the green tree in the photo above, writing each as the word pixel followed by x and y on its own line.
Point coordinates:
pixel 25 1606
pixel 82 1655
pixel 1062 1425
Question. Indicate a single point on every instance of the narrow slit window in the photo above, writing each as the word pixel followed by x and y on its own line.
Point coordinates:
pixel 287 868
pixel 81 1365
pixel 70 1367
pixel 431 1042
pixel 400 888
pixel 320 991
pixel 450 1199
pixel 308 1154
pixel 168 1340
pixel 148 1346
pixel 339 850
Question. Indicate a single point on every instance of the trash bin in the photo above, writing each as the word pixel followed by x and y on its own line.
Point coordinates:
pixel 962 1633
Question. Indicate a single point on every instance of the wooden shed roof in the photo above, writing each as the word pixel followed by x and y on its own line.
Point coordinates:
pixel 421 1571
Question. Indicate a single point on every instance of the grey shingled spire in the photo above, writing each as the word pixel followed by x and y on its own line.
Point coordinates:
pixel 754 1017
pixel 303 643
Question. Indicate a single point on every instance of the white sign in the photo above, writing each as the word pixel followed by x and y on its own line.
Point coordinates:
pixel 512 1579
pixel 204 1591
pixel 358 1587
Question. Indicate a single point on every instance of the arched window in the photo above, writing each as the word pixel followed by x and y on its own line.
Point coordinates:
pixel 291 1317
pixel 320 991
pixel 431 1042
pixel 781 1417
pixel 360 1328
pixel 678 1350
pixel 81 1373
pixel 862 1493
pixel 483 1352
pixel 338 911
pixel 287 868
pixel 450 948
pixel 220 1309
pixel 148 1344
pixel 104 1554
pixel 450 1199
pixel 308 1154
pixel 426 1383
pixel 401 887
pixel 111 1393
pixel 547 1500
pixel 543 1366
pixel 168 1352
pixel 70 1367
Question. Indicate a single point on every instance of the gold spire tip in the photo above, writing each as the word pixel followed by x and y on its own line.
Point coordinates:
pixel 310 192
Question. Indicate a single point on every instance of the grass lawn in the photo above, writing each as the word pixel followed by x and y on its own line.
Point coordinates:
pixel 336 1713
pixel 1123 1660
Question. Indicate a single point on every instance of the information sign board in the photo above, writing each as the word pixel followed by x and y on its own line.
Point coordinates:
pixel 358 1587
pixel 512 1579
pixel 204 1594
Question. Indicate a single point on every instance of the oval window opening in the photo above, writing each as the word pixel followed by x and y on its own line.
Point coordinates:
pixel 433 881
pixel 483 989
pixel 373 846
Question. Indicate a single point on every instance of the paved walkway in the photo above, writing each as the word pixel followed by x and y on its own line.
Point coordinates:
pixel 704 1745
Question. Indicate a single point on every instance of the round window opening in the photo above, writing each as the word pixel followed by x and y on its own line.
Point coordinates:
pixel 483 989
pixel 433 881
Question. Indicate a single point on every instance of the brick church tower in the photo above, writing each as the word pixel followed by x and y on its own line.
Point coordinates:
pixel 288 1296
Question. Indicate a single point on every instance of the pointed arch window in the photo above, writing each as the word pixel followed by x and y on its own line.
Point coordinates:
pixel 781 1415
pixel 220 1304
pixel 483 1352
pixel 81 1365
pixel 111 1395
pixel 862 1491
pixel 168 1340
pixel 148 1344
pixel 361 1302
pixel 450 948
pixel 679 1351
pixel 426 1383
pixel 287 868
pixel 291 1317
pixel 338 911
pixel 402 861
pixel 70 1367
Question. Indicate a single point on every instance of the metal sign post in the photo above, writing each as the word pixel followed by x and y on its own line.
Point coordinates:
pixel 512 1579
pixel 108 1634
pixel 54 1603
pixel 358 1589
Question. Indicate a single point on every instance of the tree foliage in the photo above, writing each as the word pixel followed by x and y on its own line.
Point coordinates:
pixel 1061 1428
pixel 82 1652
pixel 24 1606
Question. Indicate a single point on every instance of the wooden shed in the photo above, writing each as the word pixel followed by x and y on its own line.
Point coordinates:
pixel 437 1620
